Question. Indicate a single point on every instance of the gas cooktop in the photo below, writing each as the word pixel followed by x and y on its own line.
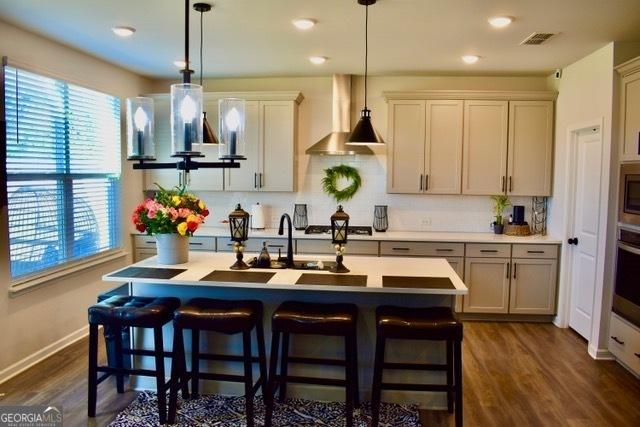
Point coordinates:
pixel 326 229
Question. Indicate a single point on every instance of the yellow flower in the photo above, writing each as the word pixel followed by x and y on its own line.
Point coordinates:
pixel 176 200
pixel 182 228
pixel 201 204
pixel 192 218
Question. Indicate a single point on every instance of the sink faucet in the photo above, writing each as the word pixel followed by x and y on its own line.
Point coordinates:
pixel 289 263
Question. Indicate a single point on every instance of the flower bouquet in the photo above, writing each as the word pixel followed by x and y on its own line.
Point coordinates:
pixel 172 216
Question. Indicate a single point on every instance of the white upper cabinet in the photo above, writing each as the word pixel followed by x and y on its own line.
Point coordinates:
pixel 246 178
pixel 484 169
pixel 630 110
pixel 443 152
pixel 530 152
pixel 406 147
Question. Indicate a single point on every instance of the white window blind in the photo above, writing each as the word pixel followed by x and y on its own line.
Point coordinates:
pixel 63 171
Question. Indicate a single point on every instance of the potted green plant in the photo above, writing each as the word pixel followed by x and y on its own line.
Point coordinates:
pixel 500 202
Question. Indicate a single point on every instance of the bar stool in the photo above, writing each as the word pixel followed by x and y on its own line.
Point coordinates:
pixel 226 317
pixel 116 313
pixel 434 324
pixel 293 317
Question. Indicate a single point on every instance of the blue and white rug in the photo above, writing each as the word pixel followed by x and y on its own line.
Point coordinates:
pixel 228 411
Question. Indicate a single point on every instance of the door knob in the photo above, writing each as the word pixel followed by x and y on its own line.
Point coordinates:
pixel 573 241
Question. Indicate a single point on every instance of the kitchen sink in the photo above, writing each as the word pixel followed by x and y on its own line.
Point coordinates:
pixel 297 265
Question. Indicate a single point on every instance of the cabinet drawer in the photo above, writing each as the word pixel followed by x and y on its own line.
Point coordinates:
pixel 421 249
pixel 489 250
pixel 624 342
pixel 141 254
pixel 535 251
pixel 144 242
pixel 255 245
pixel 202 243
pixel 354 247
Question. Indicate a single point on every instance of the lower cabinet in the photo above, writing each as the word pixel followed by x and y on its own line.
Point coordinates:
pixel 533 286
pixel 325 247
pixel 488 283
pixel 624 342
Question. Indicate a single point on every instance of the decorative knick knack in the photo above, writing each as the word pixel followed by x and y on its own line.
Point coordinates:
pixel 380 218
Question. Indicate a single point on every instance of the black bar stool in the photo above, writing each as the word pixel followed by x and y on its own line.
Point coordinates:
pixel 433 323
pixel 116 313
pixel 222 316
pixel 293 317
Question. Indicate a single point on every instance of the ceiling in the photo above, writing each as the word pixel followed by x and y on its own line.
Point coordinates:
pixel 256 37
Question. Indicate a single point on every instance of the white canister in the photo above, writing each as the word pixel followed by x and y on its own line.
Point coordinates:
pixel 257 217
pixel 172 248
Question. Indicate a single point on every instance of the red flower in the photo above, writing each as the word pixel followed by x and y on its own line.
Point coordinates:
pixel 192 226
pixel 205 212
pixel 141 227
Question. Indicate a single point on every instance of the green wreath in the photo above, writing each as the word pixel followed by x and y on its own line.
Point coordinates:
pixel 341 171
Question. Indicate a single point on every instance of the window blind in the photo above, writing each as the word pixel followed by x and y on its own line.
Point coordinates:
pixel 63 171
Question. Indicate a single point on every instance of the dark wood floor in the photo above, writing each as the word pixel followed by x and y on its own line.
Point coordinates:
pixel 520 374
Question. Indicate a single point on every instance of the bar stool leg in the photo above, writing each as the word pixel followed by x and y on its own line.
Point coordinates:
pixel 119 359
pixel 195 362
pixel 248 377
pixel 272 383
pixel 350 392
pixel 450 386
pixel 354 369
pixel 284 367
pixel 177 374
pixel 376 391
pixel 160 378
pixel 457 360
pixel 93 370
pixel 262 358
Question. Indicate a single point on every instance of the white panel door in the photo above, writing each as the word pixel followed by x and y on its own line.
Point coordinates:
pixel 484 158
pixel 277 146
pixel 246 177
pixel 443 149
pixel 585 229
pixel 405 151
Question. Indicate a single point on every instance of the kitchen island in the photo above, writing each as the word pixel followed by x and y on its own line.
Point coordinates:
pixel 372 281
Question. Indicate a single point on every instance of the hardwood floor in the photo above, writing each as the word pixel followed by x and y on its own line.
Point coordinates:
pixel 521 374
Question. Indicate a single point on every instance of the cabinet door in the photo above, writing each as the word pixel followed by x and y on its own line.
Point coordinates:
pixel 277 146
pixel 631 117
pixel 405 151
pixel 167 178
pixel 530 148
pixel 246 177
pixel 488 283
pixel 209 179
pixel 533 286
pixel 443 149
pixel 484 155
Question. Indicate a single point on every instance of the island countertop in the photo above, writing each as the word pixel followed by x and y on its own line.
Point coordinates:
pixel 201 264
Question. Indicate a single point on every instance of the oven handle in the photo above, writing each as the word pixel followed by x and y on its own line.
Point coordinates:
pixel 629 248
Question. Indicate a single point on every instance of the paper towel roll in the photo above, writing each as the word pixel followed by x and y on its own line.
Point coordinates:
pixel 257 217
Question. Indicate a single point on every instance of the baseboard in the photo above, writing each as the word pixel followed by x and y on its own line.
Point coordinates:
pixel 599 353
pixel 24 364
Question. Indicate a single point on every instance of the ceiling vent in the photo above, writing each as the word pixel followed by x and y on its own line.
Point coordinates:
pixel 537 38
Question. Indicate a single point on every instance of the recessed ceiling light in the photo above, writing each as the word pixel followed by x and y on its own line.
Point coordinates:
pixel 500 21
pixel 470 59
pixel 179 64
pixel 304 23
pixel 123 31
pixel 318 60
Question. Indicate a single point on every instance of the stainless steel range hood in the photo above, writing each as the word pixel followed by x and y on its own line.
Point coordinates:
pixel 335 144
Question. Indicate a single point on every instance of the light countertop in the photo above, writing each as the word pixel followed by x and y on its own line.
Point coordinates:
pixel 202 263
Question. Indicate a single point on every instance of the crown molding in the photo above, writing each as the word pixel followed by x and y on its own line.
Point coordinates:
pixel 629 67
pixel 472 94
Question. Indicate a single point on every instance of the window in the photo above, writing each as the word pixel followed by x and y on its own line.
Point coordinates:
pixel 63 171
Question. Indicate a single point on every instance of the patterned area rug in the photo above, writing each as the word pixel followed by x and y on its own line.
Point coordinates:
pixel 228 411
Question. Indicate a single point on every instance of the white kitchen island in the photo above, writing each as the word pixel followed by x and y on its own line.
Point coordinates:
pixel 426 285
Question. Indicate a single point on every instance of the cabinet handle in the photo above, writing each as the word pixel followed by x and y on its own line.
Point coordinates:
pixel 229 244
pixel 503 186
pixel 444 250
pixel 255 180
pixel 275 246
pixel 637 354
pixel 421 181
pixel 195 243
pixel 638 152
pixel 400 249
pixel 510 184
pixel 515 268
pixel 492 251
pixel 260 180
pixel 426 182
pixel 616 339
pixel 535 252
pixel 508 270
pixel 149 241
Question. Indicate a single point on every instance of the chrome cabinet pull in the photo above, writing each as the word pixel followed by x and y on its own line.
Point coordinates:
pixel 616 339
pixel 421 181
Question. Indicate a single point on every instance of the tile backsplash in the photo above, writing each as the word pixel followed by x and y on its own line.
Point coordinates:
pixel 406 211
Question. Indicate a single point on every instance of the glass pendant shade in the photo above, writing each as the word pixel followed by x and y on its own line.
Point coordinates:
pixel 186 118
pixel 339 226
pixel 364 133
pixel 231 115
pixel 140 126
pixel 239 224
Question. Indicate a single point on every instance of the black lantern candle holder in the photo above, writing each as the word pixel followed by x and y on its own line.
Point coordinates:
pixel 380 218
pixel 239 227
pixel 339 233
pixel 300 221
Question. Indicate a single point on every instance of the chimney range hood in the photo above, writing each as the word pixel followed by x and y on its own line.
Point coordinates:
pixel 335 144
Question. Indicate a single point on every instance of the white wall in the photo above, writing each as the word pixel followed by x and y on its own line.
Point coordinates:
pixel 31 322
pixel 406 212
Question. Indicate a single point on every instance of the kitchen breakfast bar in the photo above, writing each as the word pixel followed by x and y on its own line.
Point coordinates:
pixel 371 282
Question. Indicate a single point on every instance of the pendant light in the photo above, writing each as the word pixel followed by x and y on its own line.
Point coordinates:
pixel 364 133
pixel 208 136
